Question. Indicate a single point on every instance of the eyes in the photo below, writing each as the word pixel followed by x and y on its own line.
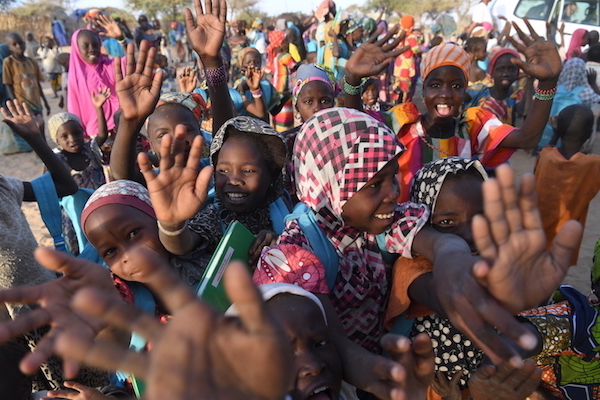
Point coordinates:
pixel 325 100
pixel 113 250
pixel 455 86
pixel 446 223
pixel 248 170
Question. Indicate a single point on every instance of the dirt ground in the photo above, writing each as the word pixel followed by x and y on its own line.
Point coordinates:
pixel 27 166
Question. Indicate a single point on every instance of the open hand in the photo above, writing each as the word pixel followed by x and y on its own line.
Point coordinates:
pixel 79 392
pixel 207 31
pixel 199 353
pixel 21 121
pixel 112 29
pixel 253 76
pixel 373 56
pixel 542 59
pixel 179 190
pixel 138 91
pixel 100 97
pixel 54 300
pixel 188 80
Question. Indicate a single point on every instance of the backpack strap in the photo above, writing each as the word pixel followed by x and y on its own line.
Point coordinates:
pixel 73 206
pixel 48 203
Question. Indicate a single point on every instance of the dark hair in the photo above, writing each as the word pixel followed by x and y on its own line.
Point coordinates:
pixel 435 41
pixel 470 173
pixel 369 82
pixel 14 384
pixel 474 42
pixel 575 123
pixel 594 52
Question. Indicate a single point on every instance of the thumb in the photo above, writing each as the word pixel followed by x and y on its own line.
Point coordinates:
pixel 566 241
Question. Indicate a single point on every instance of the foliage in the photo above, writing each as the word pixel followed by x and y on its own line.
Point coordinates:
pixel 171 10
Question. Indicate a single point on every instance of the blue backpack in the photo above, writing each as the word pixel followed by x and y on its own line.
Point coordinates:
pixel 50 209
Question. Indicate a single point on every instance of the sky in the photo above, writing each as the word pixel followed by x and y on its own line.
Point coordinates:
pixel 272 7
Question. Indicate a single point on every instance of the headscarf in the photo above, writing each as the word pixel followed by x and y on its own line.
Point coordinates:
pixel 270 290
pixel 57 120
pixel 576 43
pixel 351 26
pixel 428 181
pixel 327 7
pixel 314 72
pixel 122 191
pixel 499 53
pixel 407 22
pixel 192 101
pixel 337 151
pixel 574 75
pixel 368 25
pixel 210 222
pixel 276 39
pixel 446 54
pixel 85 78
pixel 242 53
pixel 256 23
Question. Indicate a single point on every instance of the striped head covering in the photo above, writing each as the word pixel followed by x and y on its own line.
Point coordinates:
pixel 428 181
pixel 192 101
pixel 499 53
pixel 368 25
pixel 57 120
pixel 123 191
pixel 314 72
pixel 338 150
pixel 443 55
pixel 351 25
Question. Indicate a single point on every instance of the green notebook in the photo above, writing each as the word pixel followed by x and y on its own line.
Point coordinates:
pixel 233 246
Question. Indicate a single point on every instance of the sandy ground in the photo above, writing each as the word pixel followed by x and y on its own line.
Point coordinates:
pixel 27 166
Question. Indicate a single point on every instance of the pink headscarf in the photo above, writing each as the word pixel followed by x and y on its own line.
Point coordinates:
pixel 575 44
pixel 85 78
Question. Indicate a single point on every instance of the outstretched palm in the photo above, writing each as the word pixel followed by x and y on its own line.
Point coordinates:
pixel 207 31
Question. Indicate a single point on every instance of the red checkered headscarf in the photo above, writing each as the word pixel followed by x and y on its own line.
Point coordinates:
pixel 337 151
pixel 276 39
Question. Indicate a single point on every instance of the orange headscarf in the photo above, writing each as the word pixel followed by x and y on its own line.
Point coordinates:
pixel 446 54
pixel 407 22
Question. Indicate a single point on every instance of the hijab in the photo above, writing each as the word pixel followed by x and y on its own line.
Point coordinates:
pixel 576 43
pixel 574 75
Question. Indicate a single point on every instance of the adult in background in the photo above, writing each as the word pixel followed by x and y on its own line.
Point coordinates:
pixel 144 31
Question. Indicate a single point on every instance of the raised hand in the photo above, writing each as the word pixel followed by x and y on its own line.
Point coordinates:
pixel 21 121
pixel 199 354
pixel 542 59
pixel 179 190
pixel 253 76
pixel 207 31
pixel 448 389
pixel 138 91
pixel 417 359
pixel 373 56
pixel 100 97
pixel 518 270
pixel 188 79
pixel 79 392
pixel 113 30
pixel 54 300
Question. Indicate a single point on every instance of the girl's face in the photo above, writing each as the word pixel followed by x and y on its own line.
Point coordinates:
pixel 314 96
pixel 480 52
pixel 444 92
pixel 69 137
pixel 89 46
pixel 317 366
pixel 458 202
pixel 242 177
pixel 127 240
pixel 505 73
pixel 370 95
pixel 357 35
pixel 164 120
pixel 252 59
pixel 372 208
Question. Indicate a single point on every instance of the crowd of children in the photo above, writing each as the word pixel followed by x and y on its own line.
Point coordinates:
pixel 394 255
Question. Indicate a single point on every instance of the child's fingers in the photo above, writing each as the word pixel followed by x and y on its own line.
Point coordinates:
pixel 118 72
pixel 26 322
pixel 566 241
pixel 142 57
pixel 130 61
pixel 510 198
pixel 149 62
pixel 179 146
pixel 190 24
pixel 199 9
pixel 76 386
pixel 203 183
pixel 531 218
pixel 223 11
pixel 156 84
pixel 494 211
pixel 524 38
pixel 482 237
pixel 195 154
pixel 146 167
pixel 166 161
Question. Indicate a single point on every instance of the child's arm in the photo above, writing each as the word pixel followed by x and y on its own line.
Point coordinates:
pixel 335 49
pixel 370 59
pixel 43 96
pixel 28 127
pixel 178 191
pixel 206 34
pixel 138 93
pixel 256 106
pixel 543 63
pixel 98 100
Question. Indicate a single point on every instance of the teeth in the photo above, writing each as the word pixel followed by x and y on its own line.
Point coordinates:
pixel 443 106
pixel 235 195
pixel 384 216
pixel 319 390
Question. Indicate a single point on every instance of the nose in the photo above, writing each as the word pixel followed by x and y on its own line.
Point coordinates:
pixel 236 178
pixel 309 365
pixel 464 231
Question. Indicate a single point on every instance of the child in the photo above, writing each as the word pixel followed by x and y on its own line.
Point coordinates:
pixel 500 99
pixel 405 67
pixel 281 65
pixel 22 76
pixel 346 164
pixel 17 266
pixel 370 100
pixel 84 159
pixel 49 53
pixel 442 131
pixel 566 179
pixel 248 159
pixel 89 70
pixel 476 48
